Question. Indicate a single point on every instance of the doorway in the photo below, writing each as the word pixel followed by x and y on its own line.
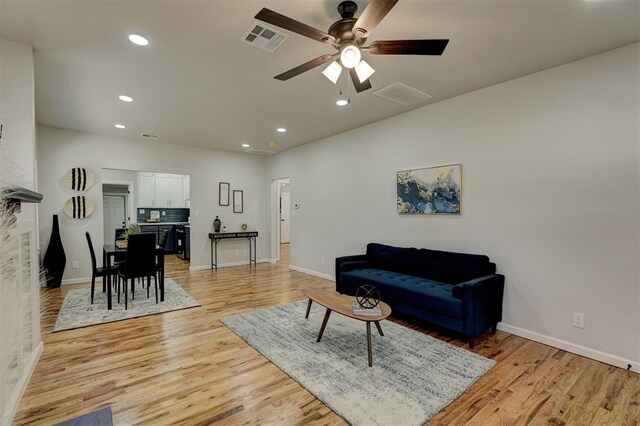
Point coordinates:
pixel 115 205
pixel 283 217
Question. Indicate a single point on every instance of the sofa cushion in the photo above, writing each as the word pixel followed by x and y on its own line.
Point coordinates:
pixel 449 267
pixel 398 259
pixel 393 286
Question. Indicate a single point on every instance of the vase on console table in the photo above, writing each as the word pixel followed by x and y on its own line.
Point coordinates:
pixel 54 259
pixel 216 225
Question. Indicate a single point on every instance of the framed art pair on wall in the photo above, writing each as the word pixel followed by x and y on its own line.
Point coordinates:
pixel 223 197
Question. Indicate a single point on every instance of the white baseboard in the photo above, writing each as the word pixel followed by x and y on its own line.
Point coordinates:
pixel 14 398
pixel 80 280
pixel 311 272
pixel 226 265
pixel 572 347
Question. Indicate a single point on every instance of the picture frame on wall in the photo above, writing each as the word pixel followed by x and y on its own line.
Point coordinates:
pixel 238 201
pixel 223 193
pixel 430 190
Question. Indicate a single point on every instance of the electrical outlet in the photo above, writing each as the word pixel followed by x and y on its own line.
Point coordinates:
pixel 322 260
pixel 578 320
pixel 164 213
pixel 196 213
pixel 75 264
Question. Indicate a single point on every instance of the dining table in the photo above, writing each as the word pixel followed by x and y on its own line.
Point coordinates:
pixel 109 251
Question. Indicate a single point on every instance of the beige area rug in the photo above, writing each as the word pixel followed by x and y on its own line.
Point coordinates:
pixel 77 310
pixel 413 377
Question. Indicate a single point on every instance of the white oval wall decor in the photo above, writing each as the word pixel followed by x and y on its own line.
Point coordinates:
pixel 79 207
pixel 79 179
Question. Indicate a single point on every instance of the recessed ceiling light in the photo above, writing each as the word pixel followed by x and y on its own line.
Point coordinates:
pixel 342 102
pixel 119 126
pixel 138 39
pixel 281 129
pixel 125 98
pixel 246 145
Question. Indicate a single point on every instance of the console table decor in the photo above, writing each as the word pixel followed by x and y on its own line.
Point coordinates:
pixel 216 237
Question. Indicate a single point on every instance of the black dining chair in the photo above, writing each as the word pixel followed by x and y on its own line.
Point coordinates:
pixel 96 271
pixel 159 270
pixel 140 263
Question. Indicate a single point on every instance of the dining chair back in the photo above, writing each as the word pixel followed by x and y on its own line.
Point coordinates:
pixel 163 239
pixel 95 270
pixel 141 256
pixel 140 263
pixel 120 234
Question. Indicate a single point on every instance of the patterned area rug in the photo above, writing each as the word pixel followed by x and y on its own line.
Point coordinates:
pixel 413 377
pixel 77 310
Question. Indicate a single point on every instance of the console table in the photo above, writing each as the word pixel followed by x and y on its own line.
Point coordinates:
pixel 216 237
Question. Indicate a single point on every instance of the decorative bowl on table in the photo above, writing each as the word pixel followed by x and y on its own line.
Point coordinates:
pixel 121 244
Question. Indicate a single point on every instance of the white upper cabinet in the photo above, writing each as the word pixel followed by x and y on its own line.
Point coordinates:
pixel 162 190
pixel 186 190
pixel 169 191
pixel 146 190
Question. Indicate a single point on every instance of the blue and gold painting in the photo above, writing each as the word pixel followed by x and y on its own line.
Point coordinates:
pixel 434 190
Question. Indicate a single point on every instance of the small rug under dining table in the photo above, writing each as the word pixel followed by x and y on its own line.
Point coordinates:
pixel 77 311
pixel 414 375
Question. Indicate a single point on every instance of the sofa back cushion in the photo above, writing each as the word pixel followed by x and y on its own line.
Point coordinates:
pixel 443 266
pixel 452 268
pixel 389 258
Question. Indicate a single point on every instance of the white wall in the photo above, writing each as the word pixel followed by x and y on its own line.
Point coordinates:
pixel 59 150
pixel 551 193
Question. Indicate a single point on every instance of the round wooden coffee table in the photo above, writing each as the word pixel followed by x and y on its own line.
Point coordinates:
pixel 343 305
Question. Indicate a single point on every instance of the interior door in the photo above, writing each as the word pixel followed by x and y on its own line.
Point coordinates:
pixel 114 209
pixel 285 217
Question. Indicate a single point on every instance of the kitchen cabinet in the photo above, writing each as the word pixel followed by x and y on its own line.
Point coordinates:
pixel 186 191
pixel 146 189
pixel 169 191
pixel 163 190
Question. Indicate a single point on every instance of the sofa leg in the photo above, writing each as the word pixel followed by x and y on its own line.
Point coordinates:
pixel 494 328
pixel 472 342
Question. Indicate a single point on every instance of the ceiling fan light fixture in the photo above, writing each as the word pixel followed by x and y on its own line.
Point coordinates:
pixel 332 72
pixel 350 56
pixel 364 71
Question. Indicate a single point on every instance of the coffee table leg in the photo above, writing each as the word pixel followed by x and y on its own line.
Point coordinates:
pixel 379 328
pixel 369 343
pixel 308 308
pixel 324 324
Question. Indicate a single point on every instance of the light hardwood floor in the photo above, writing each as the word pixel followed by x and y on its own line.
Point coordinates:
pixel 185 367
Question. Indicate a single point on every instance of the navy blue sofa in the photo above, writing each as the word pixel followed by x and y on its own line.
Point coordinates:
pixel 456 291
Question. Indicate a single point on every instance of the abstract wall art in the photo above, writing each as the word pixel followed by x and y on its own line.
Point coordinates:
pixel 433 190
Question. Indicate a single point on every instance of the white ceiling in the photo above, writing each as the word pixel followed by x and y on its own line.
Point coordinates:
pixel 198 84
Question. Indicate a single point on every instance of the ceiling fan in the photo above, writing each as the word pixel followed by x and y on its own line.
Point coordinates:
pixel 348 35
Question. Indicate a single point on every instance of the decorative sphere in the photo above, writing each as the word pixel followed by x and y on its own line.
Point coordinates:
pixel 368 296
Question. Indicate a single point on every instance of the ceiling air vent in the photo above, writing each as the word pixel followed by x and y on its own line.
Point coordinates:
pixel 149 136
pixel 264 37
pixel 259 151
pixel 402 94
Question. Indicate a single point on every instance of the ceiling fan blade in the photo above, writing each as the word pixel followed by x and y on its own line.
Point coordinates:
pixel 375 11
pixel 305 67
pixel 274 18
pixel 408 47
pixel 360 87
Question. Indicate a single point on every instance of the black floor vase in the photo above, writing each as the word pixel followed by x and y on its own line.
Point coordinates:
pixel 54 259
